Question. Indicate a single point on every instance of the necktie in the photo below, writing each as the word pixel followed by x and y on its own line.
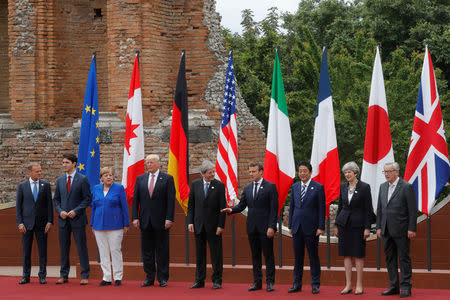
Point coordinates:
pixel 303 192
pixel 206 188
pixel 35 191
pixel 68 184
pixel 152 185
pixel 391 191
pixel 255 190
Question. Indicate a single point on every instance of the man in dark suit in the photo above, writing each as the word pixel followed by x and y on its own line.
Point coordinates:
pixel 396 225
pixel 34 212
pixel 206 200
pixel 72 196
pixel 261 198
pixel 306 224
pixel 152 212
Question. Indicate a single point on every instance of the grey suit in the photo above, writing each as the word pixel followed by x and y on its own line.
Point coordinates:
pixel 77 199
pixel 395 217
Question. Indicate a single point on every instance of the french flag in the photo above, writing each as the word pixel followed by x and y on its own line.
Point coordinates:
pixel 324 156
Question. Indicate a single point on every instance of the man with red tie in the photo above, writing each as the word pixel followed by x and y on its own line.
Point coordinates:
pixel 152 212
pixel 72 196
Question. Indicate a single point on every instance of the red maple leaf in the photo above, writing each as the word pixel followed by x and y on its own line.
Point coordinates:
pixel 129 133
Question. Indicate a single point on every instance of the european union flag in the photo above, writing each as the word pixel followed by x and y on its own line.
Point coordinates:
pixel 89 149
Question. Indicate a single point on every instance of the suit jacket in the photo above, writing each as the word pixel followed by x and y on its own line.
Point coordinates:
pixel 153 212
pixel 262 211
pixel 205 212
pixel 109 212
pixel 399 214
pixel 34 214
pixel 358 213
pixel 310 214
pixel 78 198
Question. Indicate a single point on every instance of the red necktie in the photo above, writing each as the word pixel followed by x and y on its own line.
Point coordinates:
pixel 68 184
pixel 152 185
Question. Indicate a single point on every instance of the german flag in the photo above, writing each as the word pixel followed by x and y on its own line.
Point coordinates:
pixel 179 150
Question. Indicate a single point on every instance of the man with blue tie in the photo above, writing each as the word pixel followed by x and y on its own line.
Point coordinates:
pixel 34 213
pixel 261 198
pixel 306 224
pixel 72 196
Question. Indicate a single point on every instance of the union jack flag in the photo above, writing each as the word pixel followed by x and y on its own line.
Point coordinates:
pixel 427 167
pixel 226 163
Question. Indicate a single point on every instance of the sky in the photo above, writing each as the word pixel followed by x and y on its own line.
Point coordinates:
pixel 230 10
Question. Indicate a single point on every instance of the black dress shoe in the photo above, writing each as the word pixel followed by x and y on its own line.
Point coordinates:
pixel 163 283
pixel 24 280
pixel 405 293
pixel 269 287
pixel 216 286
pixel 295 289
pixel 42 281
pixel 315 290
pixel 147 282
pixel 117 282
pixel 256 286
pixel 197 285
pixel 391 291
pixel 103 283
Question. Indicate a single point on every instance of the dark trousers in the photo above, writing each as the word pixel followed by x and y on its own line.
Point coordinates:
pixel 311 242
pixel 398 248
pixel 215 248
pixel 27 243
pixel 155 243
pixel 259 242
pixel 79 235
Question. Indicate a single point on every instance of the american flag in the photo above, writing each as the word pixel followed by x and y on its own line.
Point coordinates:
pixel 427 167
pixel 226 164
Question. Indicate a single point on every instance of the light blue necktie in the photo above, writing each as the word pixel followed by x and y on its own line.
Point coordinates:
pixel 35 191
pixel 206 188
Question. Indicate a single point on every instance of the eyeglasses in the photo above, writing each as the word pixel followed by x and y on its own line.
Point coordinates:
pixel 389 171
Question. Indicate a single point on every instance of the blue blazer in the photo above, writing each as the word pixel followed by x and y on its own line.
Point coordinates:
pixel 78 198
pixel 109 212
pixel 310 214
pixel 34 215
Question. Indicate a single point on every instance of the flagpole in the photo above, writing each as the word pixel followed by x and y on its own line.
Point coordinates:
pixel 429 242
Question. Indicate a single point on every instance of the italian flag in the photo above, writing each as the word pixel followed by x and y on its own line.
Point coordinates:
pixel 279 166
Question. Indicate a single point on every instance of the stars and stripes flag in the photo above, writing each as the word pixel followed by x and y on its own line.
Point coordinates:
pixel 427 167
pixel 133 152
pixel 226 163
pixel 89 147
pixel 324 155
pixel 378 148
pixel 279 165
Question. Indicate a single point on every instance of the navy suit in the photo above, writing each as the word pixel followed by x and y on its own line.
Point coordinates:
pixel 34 216
pixel 77 199
pixel 152 213
pixel 305 217
pixel 204 213
pixel 262 214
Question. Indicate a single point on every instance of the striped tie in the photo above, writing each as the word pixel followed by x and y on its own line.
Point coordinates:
pixel 302 194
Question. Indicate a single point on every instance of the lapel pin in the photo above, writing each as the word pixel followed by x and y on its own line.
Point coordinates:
pixel 261 187
pixel 312 187
pixel 356 192
pixel 212 187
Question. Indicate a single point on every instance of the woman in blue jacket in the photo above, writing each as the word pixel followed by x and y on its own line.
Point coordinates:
pixel 109 221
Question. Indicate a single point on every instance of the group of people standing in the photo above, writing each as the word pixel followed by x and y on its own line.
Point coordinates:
pixel 153 213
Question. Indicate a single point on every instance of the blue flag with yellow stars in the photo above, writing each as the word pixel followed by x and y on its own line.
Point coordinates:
pixel 89 149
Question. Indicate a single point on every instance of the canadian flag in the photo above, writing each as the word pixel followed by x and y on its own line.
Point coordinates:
pixel 133 152
pixel 378 145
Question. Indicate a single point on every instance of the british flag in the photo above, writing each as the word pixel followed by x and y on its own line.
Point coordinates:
pixel 427 167
pixel 226 163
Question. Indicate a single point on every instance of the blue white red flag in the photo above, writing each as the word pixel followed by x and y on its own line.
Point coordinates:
pixel 89 147
pixel 324 155
pixel 226 163
pixel 427 167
